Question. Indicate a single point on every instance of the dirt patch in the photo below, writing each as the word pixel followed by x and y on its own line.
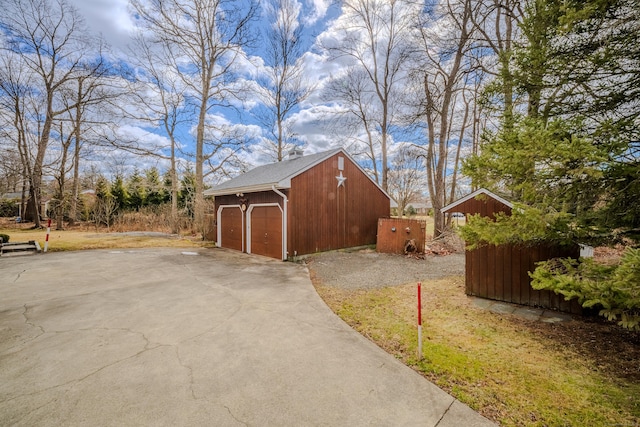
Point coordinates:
pixel 367 269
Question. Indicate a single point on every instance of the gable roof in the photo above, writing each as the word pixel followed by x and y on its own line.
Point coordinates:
pixel 278 175
pixel 450 207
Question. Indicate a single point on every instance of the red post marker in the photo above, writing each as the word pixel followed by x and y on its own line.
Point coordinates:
pixel 419 304
pixel 419 321
pixel 46 240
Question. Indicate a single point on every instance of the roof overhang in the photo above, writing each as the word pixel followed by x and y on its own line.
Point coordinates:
pixel 482 191
pixel 248 189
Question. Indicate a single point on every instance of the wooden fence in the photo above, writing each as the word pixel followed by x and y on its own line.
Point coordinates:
pixel 393 234
pixel 501 273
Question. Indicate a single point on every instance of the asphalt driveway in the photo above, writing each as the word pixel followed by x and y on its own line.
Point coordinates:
pixel 210 337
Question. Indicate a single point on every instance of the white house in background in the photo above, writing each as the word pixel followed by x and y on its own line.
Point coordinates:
pixel 421 208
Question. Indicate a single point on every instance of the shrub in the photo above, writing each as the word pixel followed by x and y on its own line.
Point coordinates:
pixel 614 289
pixel 8 208
pixel 4 238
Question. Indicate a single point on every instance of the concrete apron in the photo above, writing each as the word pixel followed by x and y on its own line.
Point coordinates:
pixel 211 337
pixel 525 312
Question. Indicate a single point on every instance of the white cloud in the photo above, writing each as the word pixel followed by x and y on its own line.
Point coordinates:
pixel 110 18
pixel 319 11
pixel 314 126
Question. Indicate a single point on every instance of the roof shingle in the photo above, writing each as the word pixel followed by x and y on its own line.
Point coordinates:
pixel 266 176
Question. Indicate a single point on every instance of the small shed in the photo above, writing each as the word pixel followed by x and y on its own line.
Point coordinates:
pixel 302 205
pixel 502 272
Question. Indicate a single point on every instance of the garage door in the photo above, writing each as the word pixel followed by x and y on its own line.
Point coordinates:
pixel 266 231
pixel 231 227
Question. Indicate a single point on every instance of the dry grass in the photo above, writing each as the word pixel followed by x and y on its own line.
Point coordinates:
pixel 71 240
pixel 513 371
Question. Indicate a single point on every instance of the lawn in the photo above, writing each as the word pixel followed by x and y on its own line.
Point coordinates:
pixel 513 371
pixel 69 240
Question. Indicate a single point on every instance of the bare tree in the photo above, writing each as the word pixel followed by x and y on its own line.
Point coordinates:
pixel 374 36
pixel 15 99
pixel 51 41
pixel 356 120
pixel 444 46
pixel 406 177
pixel 284 87
pixel 60 195
pixel 163 97
pixel 105 211
pixel 10 170
pixel 89 92
pixel 496 24
pixel 203 40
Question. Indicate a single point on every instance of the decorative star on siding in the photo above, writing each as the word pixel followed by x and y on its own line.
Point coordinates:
pixel 341 179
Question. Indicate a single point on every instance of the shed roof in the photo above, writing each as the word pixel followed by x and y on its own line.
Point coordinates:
pixel 482 191
pixel 278 175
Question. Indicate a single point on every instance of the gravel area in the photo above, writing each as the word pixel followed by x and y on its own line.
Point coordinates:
pixel 368 269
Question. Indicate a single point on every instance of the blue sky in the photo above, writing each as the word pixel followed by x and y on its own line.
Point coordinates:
pixel 111 19
pixel 311 122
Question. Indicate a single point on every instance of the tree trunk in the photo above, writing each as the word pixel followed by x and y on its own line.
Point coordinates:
pixel 175 227
pixel 198 203
pixel 73 208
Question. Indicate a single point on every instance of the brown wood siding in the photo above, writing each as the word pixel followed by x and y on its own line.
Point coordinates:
pixel 487 206
pixel 392 234
pixel 323 216
pixel 231 228
pixel 502 273
pixel 266 231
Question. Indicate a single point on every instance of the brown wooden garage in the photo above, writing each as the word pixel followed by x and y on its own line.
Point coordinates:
pixel 265 230
pixel 301 205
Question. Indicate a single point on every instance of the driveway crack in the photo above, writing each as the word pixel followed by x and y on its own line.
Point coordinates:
pixel 445 412
pixel 27 321
pixel 190 369
pixel 234 417
pixel 18 276
pixel 75 381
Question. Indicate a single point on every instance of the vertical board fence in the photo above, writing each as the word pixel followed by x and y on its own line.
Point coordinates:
pixel 502 273
pixel 393 234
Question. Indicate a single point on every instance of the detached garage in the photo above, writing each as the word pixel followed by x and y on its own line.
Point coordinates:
pixel 302 205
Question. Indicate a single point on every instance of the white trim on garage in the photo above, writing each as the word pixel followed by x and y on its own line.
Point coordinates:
pixel 282 234
pixel 219 221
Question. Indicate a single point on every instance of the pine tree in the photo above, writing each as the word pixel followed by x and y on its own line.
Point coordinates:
pixel 155 191
pixel 103 188
pixel 136 190
pixel 572 151
pixel 186 195
pixel 119 193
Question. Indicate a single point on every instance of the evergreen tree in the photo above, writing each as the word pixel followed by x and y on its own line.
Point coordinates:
pixel 119 193
pixel 186 195
pixel 136 190
pixel 572 152
pixel 103 188
pixel 155 190
pixel 166 187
